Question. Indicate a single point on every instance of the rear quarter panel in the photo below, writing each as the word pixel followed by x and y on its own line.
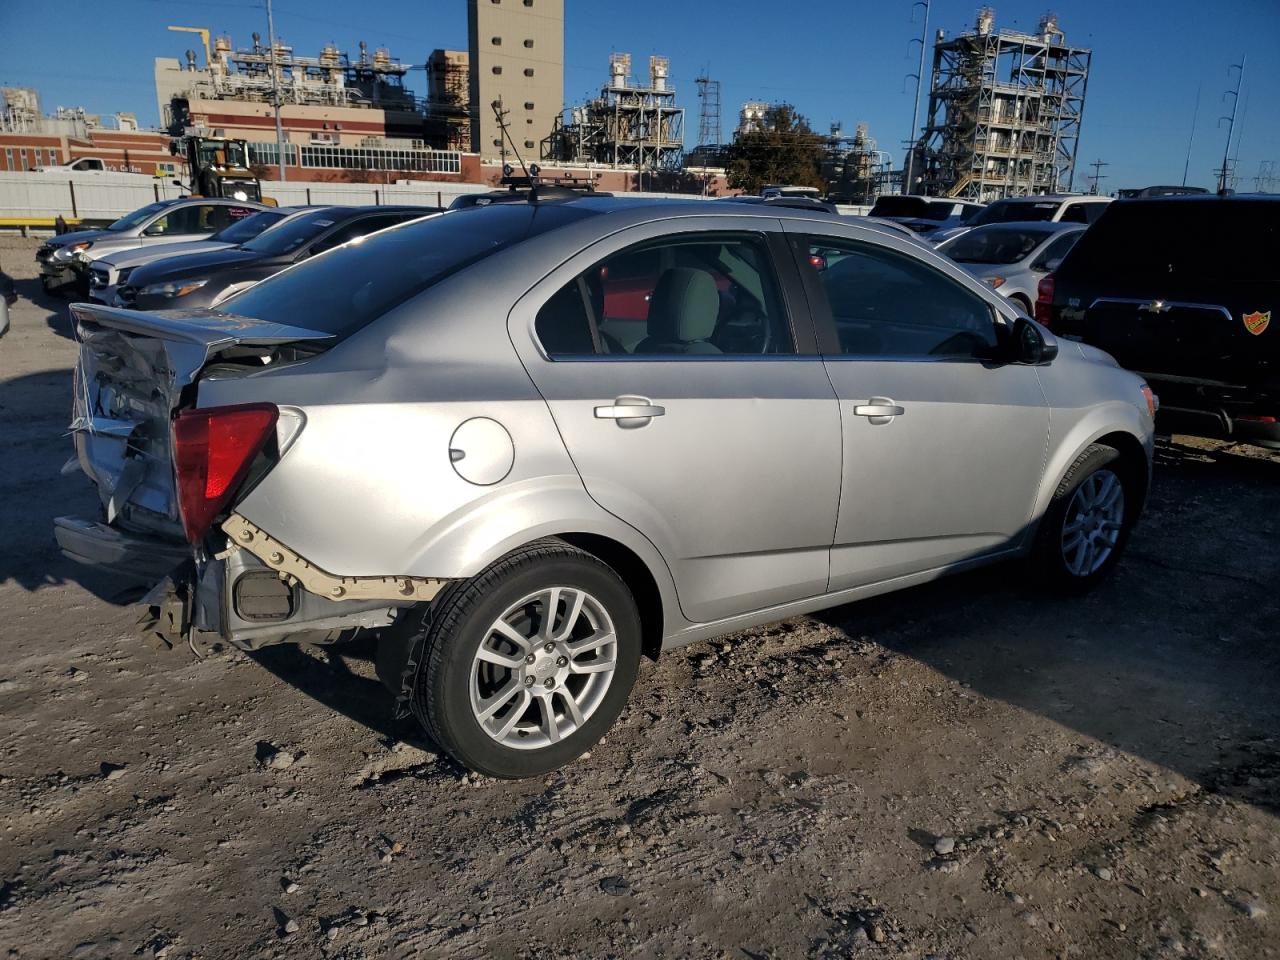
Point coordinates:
pixel 367 488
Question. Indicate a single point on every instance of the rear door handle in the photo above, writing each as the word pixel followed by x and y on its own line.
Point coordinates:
pixel 630 411
pixel 879 410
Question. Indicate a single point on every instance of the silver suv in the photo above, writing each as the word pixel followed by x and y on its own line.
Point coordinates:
pixel 531 442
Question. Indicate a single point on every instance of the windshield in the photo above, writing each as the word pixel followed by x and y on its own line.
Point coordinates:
pixel 1010 211
pixel 223 153
pixel 346 288
pixel 247 228
pixel 994 245
pixel 915 207
pixel 139 217
pixel 289 236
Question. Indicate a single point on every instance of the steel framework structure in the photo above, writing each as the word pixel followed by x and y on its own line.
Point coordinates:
pixel 1005 111
pixel 627 125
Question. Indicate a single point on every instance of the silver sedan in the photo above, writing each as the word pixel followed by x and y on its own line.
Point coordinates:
pixel 1012 258
pixel 528 443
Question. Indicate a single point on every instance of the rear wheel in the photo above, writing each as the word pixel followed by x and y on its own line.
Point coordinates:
pixel 1022 302
pixel 1088 522
pixel 521 669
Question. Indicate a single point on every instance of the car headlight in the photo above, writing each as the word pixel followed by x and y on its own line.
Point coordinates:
pixel 995 283
pixel 172 288
pixel 71 250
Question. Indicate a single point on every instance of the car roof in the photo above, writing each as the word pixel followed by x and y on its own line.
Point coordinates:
pixel 1055 198
pixel 628 211
pixel 1034 226
pixel 1202 198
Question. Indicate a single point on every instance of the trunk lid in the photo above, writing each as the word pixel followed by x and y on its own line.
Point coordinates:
pixel 135 370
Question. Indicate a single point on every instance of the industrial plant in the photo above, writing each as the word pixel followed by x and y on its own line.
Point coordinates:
pixel 629 124
pixel 1004 113
pixel 1003 118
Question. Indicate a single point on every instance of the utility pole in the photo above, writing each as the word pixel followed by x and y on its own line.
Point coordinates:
pixel 1225 171
pixel 1195 115
pixel 908 170
pixel 275 91
pixel 1098 174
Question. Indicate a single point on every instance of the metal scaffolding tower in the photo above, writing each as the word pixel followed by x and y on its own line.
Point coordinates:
pixel 1005 111
pixel 709 132
pixel 638 127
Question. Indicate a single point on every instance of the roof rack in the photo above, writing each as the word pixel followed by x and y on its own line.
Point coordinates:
pixel 792 202
pixel 542 188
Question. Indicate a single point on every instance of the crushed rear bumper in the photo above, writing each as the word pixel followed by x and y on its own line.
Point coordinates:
pixel 109 548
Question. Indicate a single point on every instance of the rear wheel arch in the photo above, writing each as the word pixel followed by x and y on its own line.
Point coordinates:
pixel 635 573
pixel 1023 302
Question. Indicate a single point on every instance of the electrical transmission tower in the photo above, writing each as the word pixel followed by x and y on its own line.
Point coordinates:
pixel 1268 178
pixel 709 112
pixel 1098 175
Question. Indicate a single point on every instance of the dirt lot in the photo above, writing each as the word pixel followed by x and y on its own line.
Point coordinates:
pixel 966 770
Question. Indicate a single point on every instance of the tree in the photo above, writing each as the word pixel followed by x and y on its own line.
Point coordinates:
pixel 783 150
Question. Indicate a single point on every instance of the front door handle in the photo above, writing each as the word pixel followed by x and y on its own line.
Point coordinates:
pixel 630 411
pixel 879 410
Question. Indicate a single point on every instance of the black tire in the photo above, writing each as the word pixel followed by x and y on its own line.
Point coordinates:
pixel 1023 303
pixel 433 650
pixel 1050 562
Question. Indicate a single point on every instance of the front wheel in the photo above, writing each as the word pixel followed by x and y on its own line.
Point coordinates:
pixel 522 668
pixel 1088 522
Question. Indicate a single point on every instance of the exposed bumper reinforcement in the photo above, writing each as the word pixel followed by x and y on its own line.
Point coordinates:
pixel 280 558
pixel 106 547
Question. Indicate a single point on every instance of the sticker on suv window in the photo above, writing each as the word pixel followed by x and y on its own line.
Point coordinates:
pixel 1257 321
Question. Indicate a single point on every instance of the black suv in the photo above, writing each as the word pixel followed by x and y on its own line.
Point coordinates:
pixel 1183 290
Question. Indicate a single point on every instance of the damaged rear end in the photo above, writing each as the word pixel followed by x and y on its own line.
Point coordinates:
pixel 169 472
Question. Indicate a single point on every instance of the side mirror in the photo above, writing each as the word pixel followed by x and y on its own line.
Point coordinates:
pixel 1030 345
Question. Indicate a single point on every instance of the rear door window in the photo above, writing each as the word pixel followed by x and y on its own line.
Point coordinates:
pixel 694 295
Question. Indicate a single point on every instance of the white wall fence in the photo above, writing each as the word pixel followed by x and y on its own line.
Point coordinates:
pixel 37 198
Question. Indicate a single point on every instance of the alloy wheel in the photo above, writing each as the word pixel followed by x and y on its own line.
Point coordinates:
pixel 1091 528
pixel 543 668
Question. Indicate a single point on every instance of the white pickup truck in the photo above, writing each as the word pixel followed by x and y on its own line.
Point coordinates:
pixel 90 165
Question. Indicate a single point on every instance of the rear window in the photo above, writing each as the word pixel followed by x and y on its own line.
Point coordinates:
pixel 899 207
pixel 1198 240
pixel 348 287
pixel 1014 211
pixel 994 245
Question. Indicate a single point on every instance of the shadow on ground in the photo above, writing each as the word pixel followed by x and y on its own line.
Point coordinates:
pixel 325 675
pixel 1173 659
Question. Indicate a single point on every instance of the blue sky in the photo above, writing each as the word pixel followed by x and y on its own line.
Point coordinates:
pixel 840 60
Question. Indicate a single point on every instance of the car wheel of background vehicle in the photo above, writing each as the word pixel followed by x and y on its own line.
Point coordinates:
pixel 525 666
pixel 1088 522
pixel 1022 302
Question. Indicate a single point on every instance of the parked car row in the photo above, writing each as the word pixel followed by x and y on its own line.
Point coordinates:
pixel 529 442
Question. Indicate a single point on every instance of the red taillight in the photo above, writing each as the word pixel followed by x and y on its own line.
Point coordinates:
pixel 212 451
pixel 1044 300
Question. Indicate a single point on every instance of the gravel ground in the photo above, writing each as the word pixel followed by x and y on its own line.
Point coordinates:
pixel 964 770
